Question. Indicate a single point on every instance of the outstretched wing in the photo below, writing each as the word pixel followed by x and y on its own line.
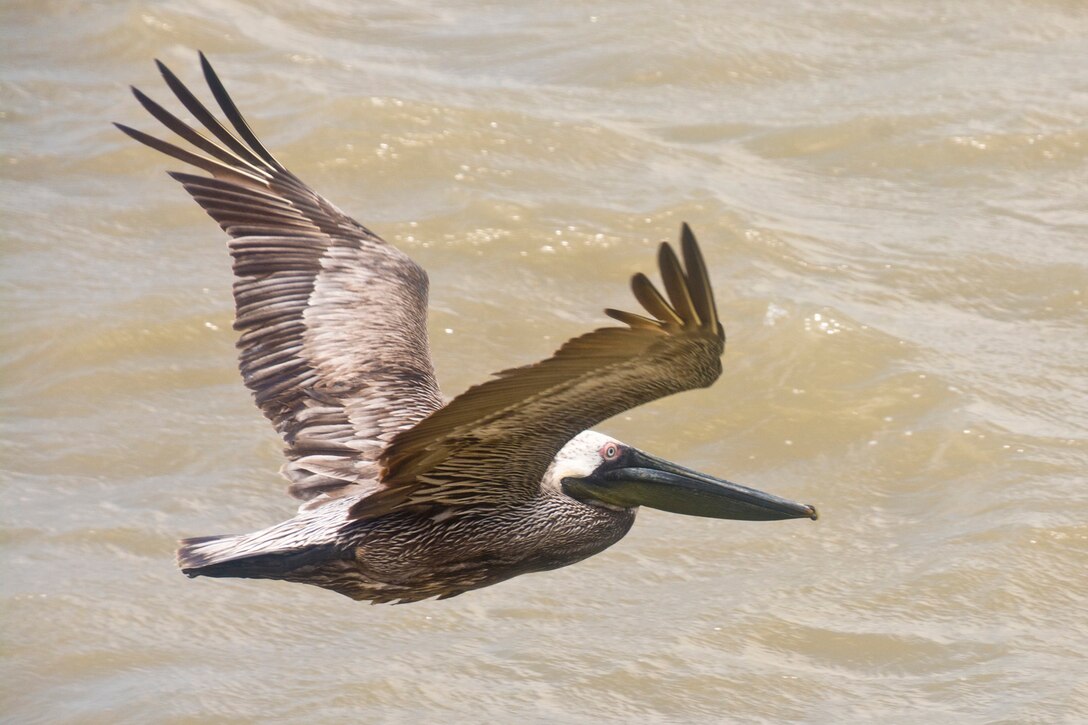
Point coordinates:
pixel 495 441
pixel 332 319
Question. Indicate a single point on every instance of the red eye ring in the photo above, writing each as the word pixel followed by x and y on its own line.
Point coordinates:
pixel 610 451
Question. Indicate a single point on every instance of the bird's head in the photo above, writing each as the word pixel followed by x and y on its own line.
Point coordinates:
pixel 600 471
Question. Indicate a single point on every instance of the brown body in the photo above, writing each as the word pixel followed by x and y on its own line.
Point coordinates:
pixel 405 557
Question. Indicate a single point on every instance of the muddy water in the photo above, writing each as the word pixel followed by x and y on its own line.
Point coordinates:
pixel 892 198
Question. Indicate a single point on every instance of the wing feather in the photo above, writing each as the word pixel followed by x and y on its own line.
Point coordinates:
pixel 676 283
pixel 494 442
pixel 332 319
pixel 652 301
pixel 702 294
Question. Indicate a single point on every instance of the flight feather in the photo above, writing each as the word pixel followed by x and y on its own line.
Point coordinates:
pixel 333 339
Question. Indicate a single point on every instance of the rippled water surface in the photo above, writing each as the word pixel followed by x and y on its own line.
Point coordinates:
pixel 893 199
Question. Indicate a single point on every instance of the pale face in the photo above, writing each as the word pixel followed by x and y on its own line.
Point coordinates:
pixel 580 457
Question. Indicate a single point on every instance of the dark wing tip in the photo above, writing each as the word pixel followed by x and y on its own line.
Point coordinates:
pixel 207 69
pixel 633 320
pixel 169 75
pixel 676 285
pixel 702 293
pixel 687 237
pixel 688 302
pixel 234 116
pixel 652 301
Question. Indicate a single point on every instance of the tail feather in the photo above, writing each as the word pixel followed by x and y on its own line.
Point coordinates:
pixel 231 556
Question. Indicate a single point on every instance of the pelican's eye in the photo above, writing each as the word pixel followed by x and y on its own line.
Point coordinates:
pixel 610 451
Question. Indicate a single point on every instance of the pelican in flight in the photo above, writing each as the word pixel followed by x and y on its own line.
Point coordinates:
pixel 407 496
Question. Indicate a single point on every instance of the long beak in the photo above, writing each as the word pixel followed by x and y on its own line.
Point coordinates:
pixel 648 481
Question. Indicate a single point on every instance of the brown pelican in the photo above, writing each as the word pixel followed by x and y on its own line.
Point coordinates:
pixel 405 496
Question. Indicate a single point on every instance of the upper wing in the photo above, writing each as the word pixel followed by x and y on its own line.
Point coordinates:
pixel 332 319
pixel 495 441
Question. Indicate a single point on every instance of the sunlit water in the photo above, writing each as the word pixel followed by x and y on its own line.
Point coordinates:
pixel 893 200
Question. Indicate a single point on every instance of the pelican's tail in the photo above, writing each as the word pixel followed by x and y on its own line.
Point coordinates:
pixel 200 552
pixel 283 551
pixel 234 556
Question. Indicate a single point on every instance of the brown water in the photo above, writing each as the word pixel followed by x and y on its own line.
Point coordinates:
pixel 893 198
